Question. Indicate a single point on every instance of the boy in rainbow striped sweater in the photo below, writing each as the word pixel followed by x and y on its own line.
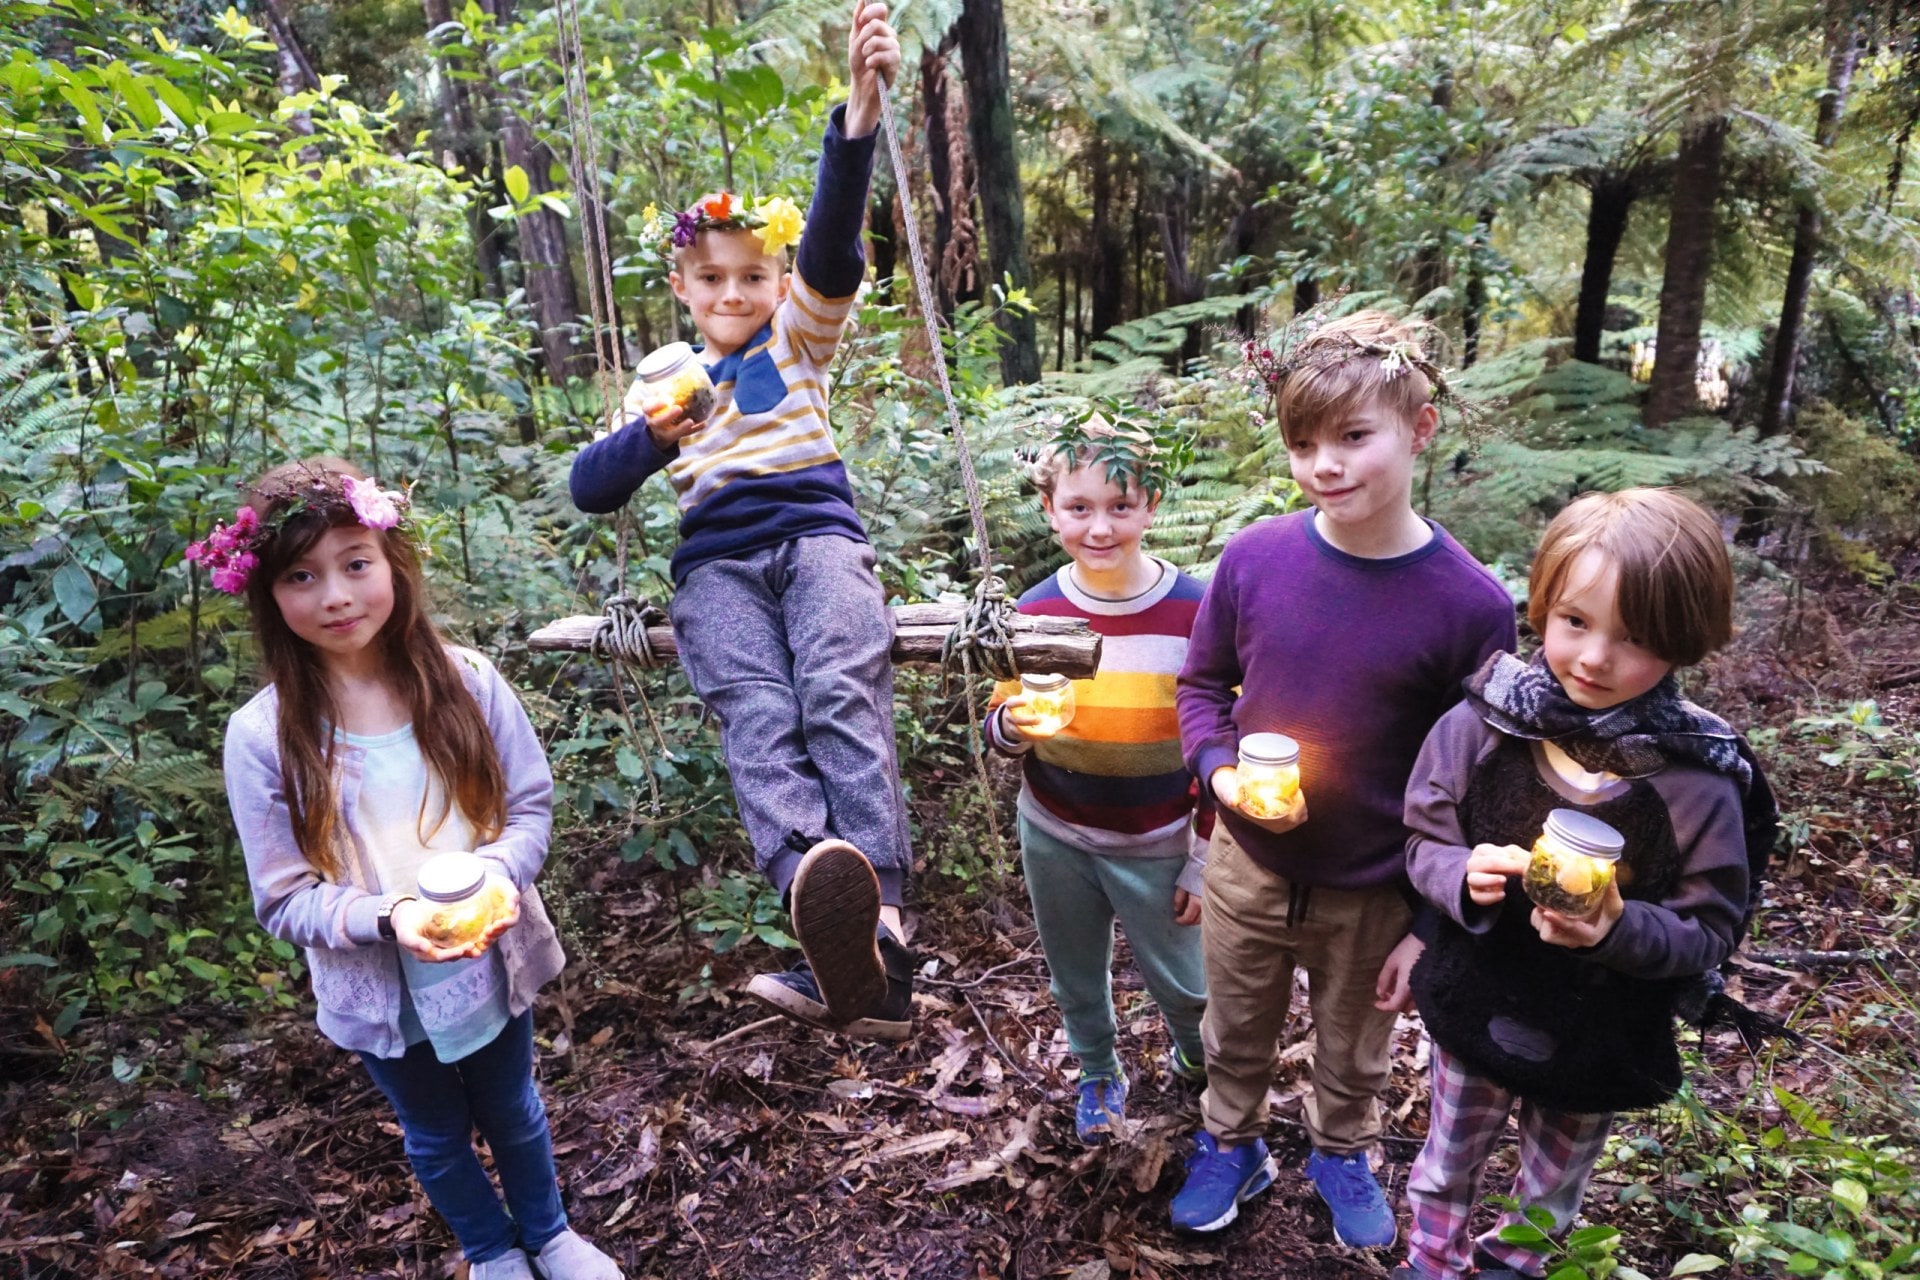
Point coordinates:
pixel 1107 806
pixel 781 624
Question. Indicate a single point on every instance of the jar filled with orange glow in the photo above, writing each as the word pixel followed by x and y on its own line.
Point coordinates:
pixel 464 904
pixel 1269 775
pixel 1049 697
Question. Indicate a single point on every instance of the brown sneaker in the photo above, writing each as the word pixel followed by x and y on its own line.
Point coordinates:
pixel 835 903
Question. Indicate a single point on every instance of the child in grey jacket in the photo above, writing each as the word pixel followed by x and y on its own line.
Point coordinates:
pixel 375 747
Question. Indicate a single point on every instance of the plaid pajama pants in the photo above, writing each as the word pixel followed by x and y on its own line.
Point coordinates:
pixel 1557 1154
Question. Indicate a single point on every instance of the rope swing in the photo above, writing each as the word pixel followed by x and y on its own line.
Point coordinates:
pixel 987 631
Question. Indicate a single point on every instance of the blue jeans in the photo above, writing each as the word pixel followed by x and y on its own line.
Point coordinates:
pixel 439 1104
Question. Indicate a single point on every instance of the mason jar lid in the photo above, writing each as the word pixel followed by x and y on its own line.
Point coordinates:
pixel 1584 833
pixel 449 877
pixel 1044 682
pixel 661 361
pixel 1269 748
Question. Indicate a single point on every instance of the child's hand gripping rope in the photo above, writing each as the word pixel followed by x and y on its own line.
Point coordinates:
pixel 873 62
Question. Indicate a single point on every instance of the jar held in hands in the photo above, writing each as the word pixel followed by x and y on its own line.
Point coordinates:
pixel 463 904
pixel 1050 698
pixel 1573 862
pixel 1269 774
pixel 673 375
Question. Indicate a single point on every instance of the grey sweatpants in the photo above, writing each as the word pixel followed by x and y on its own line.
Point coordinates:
pixel 790 647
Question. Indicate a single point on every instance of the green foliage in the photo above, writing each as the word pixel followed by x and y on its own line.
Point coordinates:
pixel 1811 1199
pixel 1568 428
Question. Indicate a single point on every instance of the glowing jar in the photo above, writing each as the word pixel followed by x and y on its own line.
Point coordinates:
pixel 1049 697
pixel 1573 862
pixel 455 886
pixel 674 375
pixel 1269 775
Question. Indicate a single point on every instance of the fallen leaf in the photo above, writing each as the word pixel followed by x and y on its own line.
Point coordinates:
pixel 918 1145
pixel 853 1090
pixel 285 1234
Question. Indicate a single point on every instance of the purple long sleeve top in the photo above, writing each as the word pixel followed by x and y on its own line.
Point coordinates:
pixel 1354 658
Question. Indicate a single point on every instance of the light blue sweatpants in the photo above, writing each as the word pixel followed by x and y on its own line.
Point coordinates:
pixel 1077 895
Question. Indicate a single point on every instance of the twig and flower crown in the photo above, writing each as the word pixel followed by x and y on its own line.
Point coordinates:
pixel 776 222
pixel 232 551
pixel 1129 450
pixel 1312 342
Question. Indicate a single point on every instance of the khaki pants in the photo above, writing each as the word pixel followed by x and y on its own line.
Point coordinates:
pixel 1342 937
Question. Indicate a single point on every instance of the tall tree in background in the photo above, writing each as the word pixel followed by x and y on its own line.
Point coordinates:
pixel 544 260
pixel 983 50
pixel 1689 262
pixel 1843 38
pixel 460 136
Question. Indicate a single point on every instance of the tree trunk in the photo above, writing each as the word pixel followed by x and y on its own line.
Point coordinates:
pixel 1607 210
pixel 1683 288
pixel 935 93
pixel 983 47
pixel 1107 285
pixel 1843 52
pixel 544 255
pixel 1474 306
pixel 460 137
pixel 1306 295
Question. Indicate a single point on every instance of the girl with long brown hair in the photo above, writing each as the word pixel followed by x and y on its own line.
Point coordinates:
pixel 375 750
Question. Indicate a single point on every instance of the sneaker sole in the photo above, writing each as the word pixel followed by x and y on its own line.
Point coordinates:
pixel 781 998
pixel 877 1029
pixel 835 900
pixel 1262 1178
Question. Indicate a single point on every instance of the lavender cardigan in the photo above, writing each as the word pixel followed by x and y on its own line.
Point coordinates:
pixel 356 975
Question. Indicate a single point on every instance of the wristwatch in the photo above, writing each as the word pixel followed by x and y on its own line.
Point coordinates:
pixel 383 918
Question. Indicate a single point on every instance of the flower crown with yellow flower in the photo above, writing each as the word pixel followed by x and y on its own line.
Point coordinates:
pixel 775 221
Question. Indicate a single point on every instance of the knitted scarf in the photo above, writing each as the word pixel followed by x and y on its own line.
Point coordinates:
pixel 1634 739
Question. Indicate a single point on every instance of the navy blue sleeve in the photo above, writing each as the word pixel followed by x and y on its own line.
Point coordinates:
pixel 831 259
pixel 606 472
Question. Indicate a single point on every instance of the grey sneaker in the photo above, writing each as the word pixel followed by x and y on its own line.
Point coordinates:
pixel 569 1257
pixel 511 1265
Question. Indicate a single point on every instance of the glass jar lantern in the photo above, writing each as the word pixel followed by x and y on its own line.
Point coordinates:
pixel 674 375
pixel 1269 775
pixel 1573 862
pixel 455 886
pixel 1050 697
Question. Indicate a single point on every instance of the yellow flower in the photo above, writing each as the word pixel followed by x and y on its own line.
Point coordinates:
pixel 649 213
pixel 780 224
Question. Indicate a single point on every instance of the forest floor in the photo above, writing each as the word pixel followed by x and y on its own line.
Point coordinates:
pixel 697 1137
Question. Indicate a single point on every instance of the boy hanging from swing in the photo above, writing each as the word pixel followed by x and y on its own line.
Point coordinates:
pixel 781 624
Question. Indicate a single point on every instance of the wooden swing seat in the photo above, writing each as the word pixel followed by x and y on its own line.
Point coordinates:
pixel 1062 646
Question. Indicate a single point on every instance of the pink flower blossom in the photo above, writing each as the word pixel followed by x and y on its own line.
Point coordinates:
pixel 374 506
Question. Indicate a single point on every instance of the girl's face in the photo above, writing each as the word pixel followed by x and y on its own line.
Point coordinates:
pixel 1587 646
pixel 1099 523
pixel 339 595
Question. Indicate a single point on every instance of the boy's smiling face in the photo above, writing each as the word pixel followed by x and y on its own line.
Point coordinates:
pixel 1099 523
pixel 730 285
pixel 1359 471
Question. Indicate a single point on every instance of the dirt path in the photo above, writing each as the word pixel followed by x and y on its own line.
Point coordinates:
pixel 698 1138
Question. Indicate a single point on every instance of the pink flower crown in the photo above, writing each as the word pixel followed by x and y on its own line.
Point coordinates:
pixel 232 551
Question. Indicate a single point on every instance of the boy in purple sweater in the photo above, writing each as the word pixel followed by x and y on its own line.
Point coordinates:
pixel 1348 628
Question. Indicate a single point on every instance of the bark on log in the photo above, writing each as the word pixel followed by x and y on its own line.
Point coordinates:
pixel 1066 646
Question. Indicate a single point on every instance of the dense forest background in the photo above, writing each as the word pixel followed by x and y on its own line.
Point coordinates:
pixel 1670 242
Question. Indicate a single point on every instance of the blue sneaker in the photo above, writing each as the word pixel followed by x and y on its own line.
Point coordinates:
pixel 1362 1219
pixel 1101 1109
pixel 1218 1182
